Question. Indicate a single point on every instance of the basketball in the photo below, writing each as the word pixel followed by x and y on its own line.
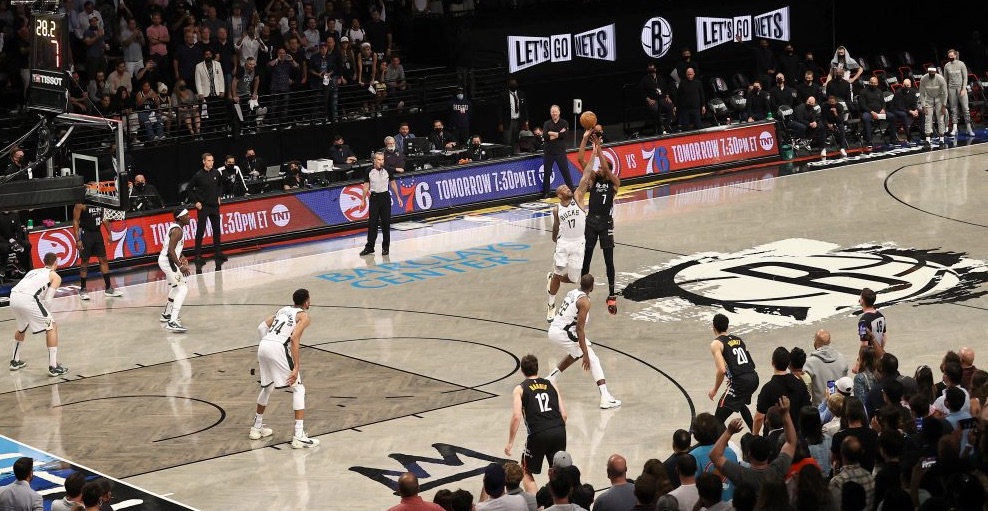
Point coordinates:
pixel 588 120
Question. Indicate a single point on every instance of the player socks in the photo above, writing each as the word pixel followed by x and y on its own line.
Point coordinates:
pixel 258 420
pixel 16 356
pixel 52 357
pixel 553 375
pixel 603 390
pixel 299 430
pixel 168 308
pixel 82 283
pixel 106 280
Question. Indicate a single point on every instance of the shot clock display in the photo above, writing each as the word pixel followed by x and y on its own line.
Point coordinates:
pixel 51 59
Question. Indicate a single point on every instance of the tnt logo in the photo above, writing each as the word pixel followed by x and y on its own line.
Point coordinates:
pixel 281 215
pixel 352 203
pixel 766 140
pixel 656 37
pixel 59 241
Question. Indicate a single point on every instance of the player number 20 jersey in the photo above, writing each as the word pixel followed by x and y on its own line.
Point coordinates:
pixel 283 325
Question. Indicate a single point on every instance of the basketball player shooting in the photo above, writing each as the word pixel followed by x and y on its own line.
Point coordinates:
pixel 568 226
pixel 603 186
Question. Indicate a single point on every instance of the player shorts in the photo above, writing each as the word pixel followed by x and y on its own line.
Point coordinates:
pixel 276 364
pixel 568 258
pixel 173 274
pixel 566 340
pixel 542 446
pixel 30 313
pixel 739 391
pixel 602 228
pixel 92 245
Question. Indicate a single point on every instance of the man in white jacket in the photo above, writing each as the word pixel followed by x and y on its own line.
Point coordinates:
pixel 212 90
pixel 823 364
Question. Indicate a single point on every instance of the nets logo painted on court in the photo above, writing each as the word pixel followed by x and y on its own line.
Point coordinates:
pixel 656 37
pixel 281 215
pixel 799 280
pixel 61 242
pixel 454 464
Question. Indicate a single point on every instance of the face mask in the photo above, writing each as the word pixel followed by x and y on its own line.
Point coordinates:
pixel 779 80
pixel 139 186
pixel 950 59
pixel 439 129
pixel 512 88
pixel 459 97
pixel 391 148
pixel 475 145
pixel 932 75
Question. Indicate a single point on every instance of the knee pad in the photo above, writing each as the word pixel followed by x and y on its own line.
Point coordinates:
pixel 265 395
pixel 298 397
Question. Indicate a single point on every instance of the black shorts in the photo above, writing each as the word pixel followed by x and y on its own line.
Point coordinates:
pixel 602 228
pixel 92 245
pixel 542 445
pixel 739 391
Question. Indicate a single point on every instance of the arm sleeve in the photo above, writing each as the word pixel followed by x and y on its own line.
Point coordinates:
pixel 262 330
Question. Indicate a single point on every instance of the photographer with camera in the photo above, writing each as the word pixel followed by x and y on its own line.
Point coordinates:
pixel 13 240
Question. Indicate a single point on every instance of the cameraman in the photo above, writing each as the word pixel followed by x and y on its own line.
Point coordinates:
pixel 13 239
pixel 143 196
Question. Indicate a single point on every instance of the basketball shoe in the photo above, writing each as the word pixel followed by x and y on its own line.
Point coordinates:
pixel 259 433
pixel 58 370
pixel 609 402
pixel 17 364
pixel 113 292
pixel 612 304
pixel 300 442
pixel 176 327
pixel 83 294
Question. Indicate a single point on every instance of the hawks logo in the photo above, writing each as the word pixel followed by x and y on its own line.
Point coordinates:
pixel 59 241
pixel 799 280
pixel 352 203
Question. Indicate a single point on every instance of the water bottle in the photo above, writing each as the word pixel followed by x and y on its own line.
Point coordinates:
pixel 769 116
pixel 30 224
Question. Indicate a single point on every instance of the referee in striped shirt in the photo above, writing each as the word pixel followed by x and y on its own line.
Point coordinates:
pixel 379 215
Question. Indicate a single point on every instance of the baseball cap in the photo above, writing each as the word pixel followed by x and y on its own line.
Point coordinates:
pixel 562 459
pixel 494 479
pixel 667 503
pixel 344 39
pixel 931 70
pixel 93 16
pixel 845 385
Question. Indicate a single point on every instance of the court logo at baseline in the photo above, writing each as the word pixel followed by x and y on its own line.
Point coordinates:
pixel 801 281
pixel 430 267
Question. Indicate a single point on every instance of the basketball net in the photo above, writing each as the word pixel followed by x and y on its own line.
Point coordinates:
pixel 114 214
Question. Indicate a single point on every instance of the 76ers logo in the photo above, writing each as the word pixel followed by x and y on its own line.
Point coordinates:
pixel 352 203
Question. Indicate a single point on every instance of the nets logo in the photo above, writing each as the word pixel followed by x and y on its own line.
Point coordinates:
pixel 59 241
pixel 352 203
pixel 281 215
pixel 656 37
pixel 766 140
pixel 798 280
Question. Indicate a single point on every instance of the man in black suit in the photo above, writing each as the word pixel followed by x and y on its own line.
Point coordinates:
pixel 13 239
pixel 17 165
pixel 512 113
pixel 440 139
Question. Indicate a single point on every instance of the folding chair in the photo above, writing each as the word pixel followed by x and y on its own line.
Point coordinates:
pixel 719 87
pixel 718 110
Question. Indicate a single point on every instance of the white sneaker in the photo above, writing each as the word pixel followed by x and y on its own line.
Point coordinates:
pixel 953 131
pixel 823 153
pixel 609 402
pixel 300 442
pixel 259 433
pixel 970 132
pixel 176 327
pixel 83 295
pixel 843 153
pixel 113 292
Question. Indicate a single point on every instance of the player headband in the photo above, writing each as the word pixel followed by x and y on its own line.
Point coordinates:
pixel 182 213
pixel 931 70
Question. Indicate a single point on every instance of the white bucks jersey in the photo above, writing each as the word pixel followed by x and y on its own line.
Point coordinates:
pixel 568 312
pixel 35 283
pixel 572 221
pixel 163 256
pixel 283 325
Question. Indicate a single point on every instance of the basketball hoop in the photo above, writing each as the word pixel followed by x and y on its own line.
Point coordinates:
pixel 114 214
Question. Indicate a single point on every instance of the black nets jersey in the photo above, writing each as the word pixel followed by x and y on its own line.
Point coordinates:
pixel 540 405
pixel 736 356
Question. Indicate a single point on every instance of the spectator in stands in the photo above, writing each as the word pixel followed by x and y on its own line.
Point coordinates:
pixel 621 495
pixel 211 88
pixel 132 42
pixel 844 66
pixel 690 102
pixel 832 410
pixel 888 370
pixel 149 73
pixel 394 78
pixel 401 139
pixel 341 153
pixel 211 21
pixel 513 475
pixel 889 475
pixel 147 102
pixel 366 65
pixel 460 111
pixel 120 77
pixel 933 98
pixel 857 427
pixel 356 34
pixel 312 37
pixel 408 490
pixel 14 240
pixel 73 493
pixel 704 430
pixel 833 118
pixel 781 384
pixel 99 87
pixel 95 40
pixel 494 488
pixel 953 376
pixel 808 87
pixel 188 108
pixel 871 104
pixel 225 55
pixel 378 34
pixel 348 63
pixel 144 196
pixel 646 493
pixel 282 69
pixel 788 65
pixel 512 114
pixel 188 56
pixel 562 467
pixel 686 61
pixel 158 39
pixel 811 433
pixel 709 490
pixel 244 97
pixel 967 366
pixel 905 107
pixel 440 139
pixel 323 79
pixel 658 98
pixel 686 493
pixel 955 72
pixel 824 363
pixel 760 450
pixel 865 379
pixel 680 447
pixel 248 45
pixel 560 489
pixel 475 150
pixel 237 22
pixel 123 105
pixel 18 495
pixel 772 496
pixel 797 358
pixel 852 469
pixel 329 30
pixel 78 97
pixel 393 158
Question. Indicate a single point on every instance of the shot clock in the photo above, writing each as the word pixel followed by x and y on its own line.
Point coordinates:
pixel 51 59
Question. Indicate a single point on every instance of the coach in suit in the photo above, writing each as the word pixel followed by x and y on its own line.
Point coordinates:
pixel 512 114
pixel 18 496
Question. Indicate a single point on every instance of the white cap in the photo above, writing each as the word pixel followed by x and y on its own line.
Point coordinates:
pixel 931 70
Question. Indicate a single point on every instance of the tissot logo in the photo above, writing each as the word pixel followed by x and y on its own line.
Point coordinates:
pixel 525 52
pixel 47 79
pixel 800 280
pixel 711 32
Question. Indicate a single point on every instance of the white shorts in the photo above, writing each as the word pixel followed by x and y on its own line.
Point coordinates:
pixel 568 258
pixel 561 339
pixel 30 313
pixel 275 361
pixel 172 277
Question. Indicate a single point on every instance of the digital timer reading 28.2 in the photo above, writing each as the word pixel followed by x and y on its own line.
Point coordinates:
pixel 48 43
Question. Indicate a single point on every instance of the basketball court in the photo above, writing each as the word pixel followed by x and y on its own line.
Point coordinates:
pixel 410 360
